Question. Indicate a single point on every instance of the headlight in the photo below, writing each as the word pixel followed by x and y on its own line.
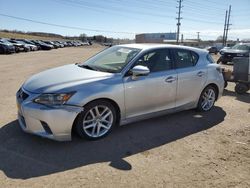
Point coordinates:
pixel 53 99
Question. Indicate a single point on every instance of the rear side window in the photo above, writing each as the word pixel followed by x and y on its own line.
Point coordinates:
pixel 210 59
pixel 185 58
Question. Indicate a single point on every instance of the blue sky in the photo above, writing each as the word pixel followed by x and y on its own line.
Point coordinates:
pixel 128 16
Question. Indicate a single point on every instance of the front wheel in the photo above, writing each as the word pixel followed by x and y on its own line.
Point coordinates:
pixel 207 99
pixel 97 120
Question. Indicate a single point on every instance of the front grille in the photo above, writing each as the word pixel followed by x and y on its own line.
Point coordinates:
pixel 230 55
pixel 22 95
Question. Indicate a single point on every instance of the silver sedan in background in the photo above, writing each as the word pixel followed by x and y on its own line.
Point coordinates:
pixel 120 85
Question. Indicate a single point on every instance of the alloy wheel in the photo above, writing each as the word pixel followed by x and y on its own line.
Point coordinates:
pixel 97 121
pixel 208 99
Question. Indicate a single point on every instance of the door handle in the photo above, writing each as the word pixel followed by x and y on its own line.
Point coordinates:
pixel 200 73
pixel 170 79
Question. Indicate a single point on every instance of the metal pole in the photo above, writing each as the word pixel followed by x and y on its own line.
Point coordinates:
pixel 224 32
pixel 178 23
pixel 198 37
pixel 228 20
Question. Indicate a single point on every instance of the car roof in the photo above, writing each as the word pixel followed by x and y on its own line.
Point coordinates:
pixel 148 46
pixel 246 43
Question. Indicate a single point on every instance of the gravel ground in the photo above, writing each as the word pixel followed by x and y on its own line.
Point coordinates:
pixel 186 149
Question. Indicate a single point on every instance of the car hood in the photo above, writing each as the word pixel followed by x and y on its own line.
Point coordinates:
pixel 19 45
pixel 234 51
pixel 60 78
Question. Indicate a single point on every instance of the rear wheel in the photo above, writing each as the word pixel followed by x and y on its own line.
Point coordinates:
pixel 207 99
pixel 97 120
pixel 241 88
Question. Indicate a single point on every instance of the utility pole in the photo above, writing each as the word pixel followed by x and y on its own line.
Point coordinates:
pixel 224 32
pixel 198 37
pixel 228 23
pixel 178 20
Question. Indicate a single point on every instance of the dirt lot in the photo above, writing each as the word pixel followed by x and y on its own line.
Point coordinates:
pixel 187 149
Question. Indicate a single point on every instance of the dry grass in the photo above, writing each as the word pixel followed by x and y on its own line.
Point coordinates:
pixel 25 36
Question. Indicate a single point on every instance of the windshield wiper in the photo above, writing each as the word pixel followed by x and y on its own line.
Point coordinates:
pixel 88 67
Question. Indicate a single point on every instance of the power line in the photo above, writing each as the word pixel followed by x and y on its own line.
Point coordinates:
pixel 64 26
pixel 118 11
pixel 192 3
pixel 114 9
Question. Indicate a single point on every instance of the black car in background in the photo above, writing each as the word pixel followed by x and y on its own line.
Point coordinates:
pixel 6 48
pixel 212 49
pixel 42 45
pixel 52 43
pixel 238 50
pixel 18 47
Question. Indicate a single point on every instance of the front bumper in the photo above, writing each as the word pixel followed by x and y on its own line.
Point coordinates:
pixel 227 58
pixel 50 122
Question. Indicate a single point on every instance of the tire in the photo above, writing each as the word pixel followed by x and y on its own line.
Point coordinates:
pixel 225 84
pixel 92 126
pixel 207 99
pixel 241 88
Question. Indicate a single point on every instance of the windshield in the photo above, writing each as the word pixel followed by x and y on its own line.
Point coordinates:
pixel 113 59
pixel 241 47
pixel 6 42
pixel 20 42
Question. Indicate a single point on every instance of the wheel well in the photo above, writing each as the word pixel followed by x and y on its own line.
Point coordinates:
pixel 118 111
pixel 215 87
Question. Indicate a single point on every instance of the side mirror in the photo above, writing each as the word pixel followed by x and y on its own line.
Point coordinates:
pixel 139 70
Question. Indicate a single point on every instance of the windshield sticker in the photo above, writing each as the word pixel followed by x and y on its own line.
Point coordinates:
pixel 124 50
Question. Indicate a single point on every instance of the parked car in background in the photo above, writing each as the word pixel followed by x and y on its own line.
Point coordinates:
pixel 223 49
pixel 118 86
pixel 32 47
pixel 61 45
pixel 43 45
pixel 238 50
pixel 21 45
pixel 55 45
pixel 18 47
pixel 70 43
pixel 30 42
pixel 212 49
pixel 6 48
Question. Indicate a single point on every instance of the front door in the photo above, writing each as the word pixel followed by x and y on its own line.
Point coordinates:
pixel 154 92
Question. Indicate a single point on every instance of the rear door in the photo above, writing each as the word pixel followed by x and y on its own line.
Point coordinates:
pixel 191 77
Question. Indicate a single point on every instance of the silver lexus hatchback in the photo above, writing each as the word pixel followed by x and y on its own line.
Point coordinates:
pixel 119 85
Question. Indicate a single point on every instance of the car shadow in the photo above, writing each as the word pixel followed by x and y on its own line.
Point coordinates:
pixel 24 156
pixel 243 97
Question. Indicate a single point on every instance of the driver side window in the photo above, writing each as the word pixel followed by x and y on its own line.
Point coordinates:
pixel 156 60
